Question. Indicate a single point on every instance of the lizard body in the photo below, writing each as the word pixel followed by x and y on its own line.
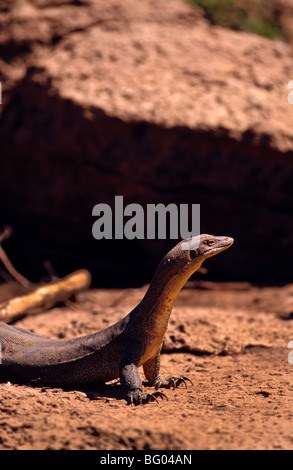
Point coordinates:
pixel 118 350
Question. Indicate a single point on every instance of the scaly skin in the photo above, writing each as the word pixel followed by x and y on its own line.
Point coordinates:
pixel 119 350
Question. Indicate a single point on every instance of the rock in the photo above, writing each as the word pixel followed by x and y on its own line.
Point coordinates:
pixel 285 9
pixel 148 101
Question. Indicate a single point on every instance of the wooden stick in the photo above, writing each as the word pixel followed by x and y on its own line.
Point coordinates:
pixel 4 235
pixel 14 273
pixel 45 296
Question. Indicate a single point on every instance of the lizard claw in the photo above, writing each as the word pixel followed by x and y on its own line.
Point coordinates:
pixel 137 397
pixel 173 382
pixel 153 396
pixel 183 380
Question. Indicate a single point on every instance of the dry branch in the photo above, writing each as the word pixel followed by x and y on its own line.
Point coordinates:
pixel 45 296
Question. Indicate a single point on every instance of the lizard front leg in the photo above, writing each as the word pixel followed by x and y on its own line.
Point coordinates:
pixel 152 373
pixel 130 380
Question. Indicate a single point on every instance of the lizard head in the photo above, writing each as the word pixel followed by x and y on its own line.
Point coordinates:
pixel 204 246
pixel 188 255
pixel 176 268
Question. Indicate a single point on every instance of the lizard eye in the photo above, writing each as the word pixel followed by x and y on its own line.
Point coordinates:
pixel 209 242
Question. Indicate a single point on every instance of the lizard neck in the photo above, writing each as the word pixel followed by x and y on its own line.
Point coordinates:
pixel 169 278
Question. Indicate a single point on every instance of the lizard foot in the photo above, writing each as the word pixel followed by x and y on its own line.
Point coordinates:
pixel 137 397
pixel 173 382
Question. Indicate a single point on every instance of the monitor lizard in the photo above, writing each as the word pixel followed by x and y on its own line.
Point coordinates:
pixel 117 351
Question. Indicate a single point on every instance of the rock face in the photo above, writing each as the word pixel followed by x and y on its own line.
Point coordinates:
pixel 148 101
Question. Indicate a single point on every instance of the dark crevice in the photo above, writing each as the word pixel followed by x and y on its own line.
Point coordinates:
pixel 57 165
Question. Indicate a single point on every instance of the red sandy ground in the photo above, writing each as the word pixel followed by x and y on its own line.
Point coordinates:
pixel 230 340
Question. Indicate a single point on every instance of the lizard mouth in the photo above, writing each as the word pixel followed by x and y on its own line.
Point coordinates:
pixel 222 245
